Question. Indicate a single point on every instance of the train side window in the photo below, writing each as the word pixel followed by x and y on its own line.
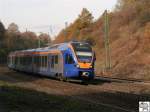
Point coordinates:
pixel 30 60
pixel 36 60
pixel 39 61
pixel 15 60
pixel 69 59
pixel 41 57
pixel 52 62
pixel 56 59
pixel 25 60
pixel 46 61
pixel 18 60
pixel 42 61
pixel 12 60
pixel 9 60
pixel 22 60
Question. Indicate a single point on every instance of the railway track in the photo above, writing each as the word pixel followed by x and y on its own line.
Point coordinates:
pixel 110 79
pixel 99 79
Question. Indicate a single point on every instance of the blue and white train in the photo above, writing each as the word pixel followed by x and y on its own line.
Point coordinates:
pixel 65 60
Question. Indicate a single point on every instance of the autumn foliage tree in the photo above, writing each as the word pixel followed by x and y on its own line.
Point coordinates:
pixel 13 40
pixel 85 19
pixel 74 30
pixel 2 33
pixel 13 28
pixel 44 39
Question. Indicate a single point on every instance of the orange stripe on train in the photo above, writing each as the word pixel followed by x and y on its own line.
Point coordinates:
pixel 85 65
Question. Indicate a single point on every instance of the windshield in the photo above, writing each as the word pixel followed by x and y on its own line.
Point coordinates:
pixel 83 52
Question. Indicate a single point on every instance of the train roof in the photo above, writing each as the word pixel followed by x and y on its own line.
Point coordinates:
pixel 45 49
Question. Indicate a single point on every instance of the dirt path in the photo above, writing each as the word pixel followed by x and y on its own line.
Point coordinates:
pixel 124 95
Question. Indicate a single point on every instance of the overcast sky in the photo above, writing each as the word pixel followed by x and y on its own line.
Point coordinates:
pixel 48 15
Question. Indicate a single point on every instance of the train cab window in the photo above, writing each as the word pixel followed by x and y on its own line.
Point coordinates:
pixel 69 59
pixel 56 59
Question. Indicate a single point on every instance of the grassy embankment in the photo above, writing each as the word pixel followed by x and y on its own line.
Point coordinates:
pixel 16 99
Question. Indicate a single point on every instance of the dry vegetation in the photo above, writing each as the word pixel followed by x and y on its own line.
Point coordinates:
pixel 129 38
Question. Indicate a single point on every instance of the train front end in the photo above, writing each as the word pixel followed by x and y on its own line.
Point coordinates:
pixel 85 59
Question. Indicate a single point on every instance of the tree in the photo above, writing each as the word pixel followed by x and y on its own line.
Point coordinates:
pixel 2 29
pixel 13 28
pixel 29 40
pixel 45 39
pixel 75 29
pixel 2 32
pixel 123 4
pixel 85 18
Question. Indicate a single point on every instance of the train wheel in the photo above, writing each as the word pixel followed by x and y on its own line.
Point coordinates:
pixel 60 77
pixel 65 79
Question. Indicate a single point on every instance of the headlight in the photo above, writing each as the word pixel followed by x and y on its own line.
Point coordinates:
pixel 90 66
pixel 78 66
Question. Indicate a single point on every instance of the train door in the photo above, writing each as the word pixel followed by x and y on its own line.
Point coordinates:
pixel 56 64
pixel 44 64
pixel 69 65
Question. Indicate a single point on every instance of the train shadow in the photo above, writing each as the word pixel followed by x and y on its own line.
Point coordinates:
pixel 88 82
pixel 18 76
pixel 27 77
pixel 99 82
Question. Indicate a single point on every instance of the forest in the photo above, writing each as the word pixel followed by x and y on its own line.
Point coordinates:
pixel 11 39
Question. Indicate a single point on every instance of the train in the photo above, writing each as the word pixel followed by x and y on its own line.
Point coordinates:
pixel 64 61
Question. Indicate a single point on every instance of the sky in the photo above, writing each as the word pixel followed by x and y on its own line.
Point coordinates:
pixel 49 16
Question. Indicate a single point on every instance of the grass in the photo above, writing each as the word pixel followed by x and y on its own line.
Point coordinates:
pixel 16 99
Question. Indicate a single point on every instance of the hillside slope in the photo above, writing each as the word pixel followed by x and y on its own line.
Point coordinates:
pixel 129 39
